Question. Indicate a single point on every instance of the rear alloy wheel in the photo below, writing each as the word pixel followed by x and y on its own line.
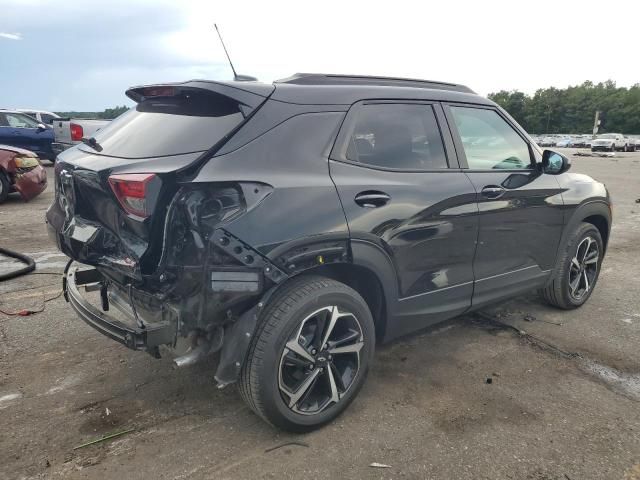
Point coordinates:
pixel 577 270
pixel 310 355
pixel 321 360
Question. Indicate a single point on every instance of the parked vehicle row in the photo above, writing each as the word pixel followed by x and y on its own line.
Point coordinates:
pixel 606 142
pixel 290 226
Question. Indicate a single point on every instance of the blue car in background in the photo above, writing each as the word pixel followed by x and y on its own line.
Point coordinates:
pixel 20 130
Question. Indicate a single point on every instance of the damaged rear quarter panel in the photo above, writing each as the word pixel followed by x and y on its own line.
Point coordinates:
pixel 304 202
pixel 223 225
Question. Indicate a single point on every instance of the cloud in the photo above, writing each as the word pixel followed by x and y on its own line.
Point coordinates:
pixel 11 36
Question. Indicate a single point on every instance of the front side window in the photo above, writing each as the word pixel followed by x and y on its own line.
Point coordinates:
pixel 17 120
pixel 396 136
pixel 489 142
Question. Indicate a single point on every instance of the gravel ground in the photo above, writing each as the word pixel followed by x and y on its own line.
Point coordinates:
pixel 518 391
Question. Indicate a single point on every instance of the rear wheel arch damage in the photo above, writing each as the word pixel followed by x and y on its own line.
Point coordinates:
pixel 338 267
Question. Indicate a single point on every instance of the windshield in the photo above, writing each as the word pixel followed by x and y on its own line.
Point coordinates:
pixel 608 135
pixel 192 121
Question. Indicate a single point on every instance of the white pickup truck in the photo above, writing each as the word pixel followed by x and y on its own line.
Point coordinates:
pixel 610 142
pixel 69 132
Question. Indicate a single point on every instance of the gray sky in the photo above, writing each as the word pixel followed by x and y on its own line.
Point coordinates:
pixel 60 55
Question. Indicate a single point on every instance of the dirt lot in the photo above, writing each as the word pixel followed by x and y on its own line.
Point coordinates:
pixel 556 397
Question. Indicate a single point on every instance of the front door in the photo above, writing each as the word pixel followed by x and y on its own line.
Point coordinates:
pixel 520 208
pixel 401 189
pixel 10 135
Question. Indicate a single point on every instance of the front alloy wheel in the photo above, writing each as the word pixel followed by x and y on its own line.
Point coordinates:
pixel 577 270
pixel 583 269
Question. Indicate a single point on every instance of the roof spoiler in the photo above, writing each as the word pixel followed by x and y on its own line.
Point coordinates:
pixel 251 94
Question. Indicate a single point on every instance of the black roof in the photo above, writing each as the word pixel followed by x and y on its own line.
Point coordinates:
pixel 328 89
pixel 333 79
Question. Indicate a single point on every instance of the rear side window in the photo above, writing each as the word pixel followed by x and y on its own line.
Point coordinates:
pixel 489 142
pixel 46 118
pixel 396 136
pixel 18 120
pixel 191 121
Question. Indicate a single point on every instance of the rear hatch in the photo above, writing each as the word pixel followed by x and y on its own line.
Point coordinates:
pixel 112 193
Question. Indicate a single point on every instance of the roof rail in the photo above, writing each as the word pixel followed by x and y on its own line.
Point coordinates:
pixel 333 79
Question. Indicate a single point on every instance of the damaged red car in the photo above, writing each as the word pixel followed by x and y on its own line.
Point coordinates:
pixel 20 171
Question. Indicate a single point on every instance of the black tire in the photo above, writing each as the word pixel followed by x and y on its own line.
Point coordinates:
pixel 4 186
pixel 558 290
pixel 280 323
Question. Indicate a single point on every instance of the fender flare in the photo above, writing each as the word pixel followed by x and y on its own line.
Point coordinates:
pixel 371 256
pixel 588 209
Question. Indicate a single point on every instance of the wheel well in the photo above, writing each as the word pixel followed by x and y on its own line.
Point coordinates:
pixel 602 225
pixel 363 281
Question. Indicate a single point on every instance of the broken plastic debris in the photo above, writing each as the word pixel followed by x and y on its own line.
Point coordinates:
pixel 379 465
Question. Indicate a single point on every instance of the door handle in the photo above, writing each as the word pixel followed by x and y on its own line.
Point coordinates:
pixel 492 191
pixel 372 199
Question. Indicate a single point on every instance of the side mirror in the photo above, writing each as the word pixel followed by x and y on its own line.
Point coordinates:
pixel 41 127
pixel 554 163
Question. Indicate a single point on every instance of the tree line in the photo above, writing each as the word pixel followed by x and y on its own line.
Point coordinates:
pixel 572 109
pixel 107 114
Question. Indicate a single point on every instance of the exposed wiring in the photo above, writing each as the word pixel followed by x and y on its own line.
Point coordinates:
pixel 30 266
pixel 25 312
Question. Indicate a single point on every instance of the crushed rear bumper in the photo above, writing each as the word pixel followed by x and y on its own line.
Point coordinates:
pixel 145 337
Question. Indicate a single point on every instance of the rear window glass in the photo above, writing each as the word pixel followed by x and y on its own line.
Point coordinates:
pixel 397 136
pixel 191 121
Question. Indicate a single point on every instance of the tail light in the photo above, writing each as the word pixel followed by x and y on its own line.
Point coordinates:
pixel 76 132
pixel 136 192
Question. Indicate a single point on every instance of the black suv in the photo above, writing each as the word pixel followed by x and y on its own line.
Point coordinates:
pixel 289 227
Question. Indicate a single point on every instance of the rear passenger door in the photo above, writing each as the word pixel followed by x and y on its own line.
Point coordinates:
pixel 403 193
pixel 520 208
